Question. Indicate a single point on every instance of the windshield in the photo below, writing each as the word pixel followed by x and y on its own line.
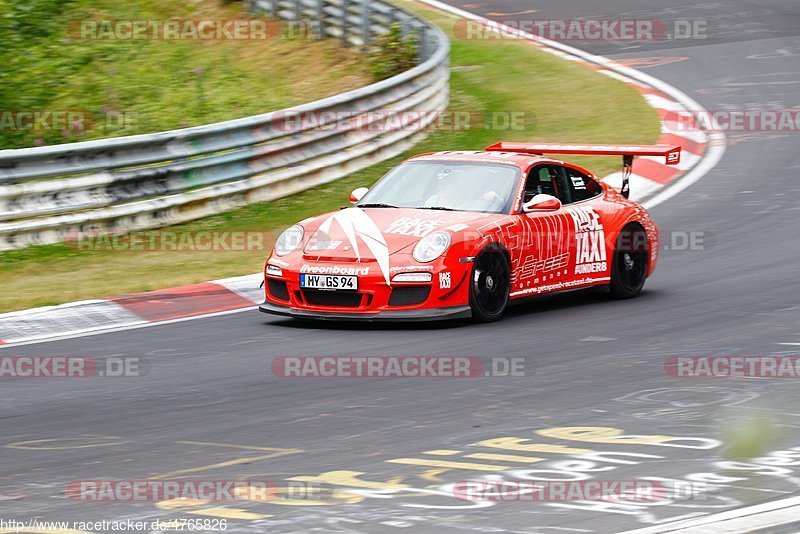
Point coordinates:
pixel 448 185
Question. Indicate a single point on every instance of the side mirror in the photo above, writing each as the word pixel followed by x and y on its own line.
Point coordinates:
pixel 357 194
pixel 542 203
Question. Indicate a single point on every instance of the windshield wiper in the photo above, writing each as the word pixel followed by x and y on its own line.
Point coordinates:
pixel 440 208
pixel 375 205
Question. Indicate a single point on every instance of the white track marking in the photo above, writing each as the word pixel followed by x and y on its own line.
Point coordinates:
pixel 121 328
pixel 620 77
pixel 747 519
pixel 663 103
pixel 716 142
pixel 714 151
pixel 70 319
pixel 698 136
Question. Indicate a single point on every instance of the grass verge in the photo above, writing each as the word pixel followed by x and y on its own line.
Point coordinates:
pixel 73 56
pixel 562 101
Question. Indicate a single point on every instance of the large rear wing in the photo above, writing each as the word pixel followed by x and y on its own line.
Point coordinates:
pixel 670 153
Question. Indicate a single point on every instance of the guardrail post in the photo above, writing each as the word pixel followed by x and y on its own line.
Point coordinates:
pixel 422 44
pixel 365 21
pixel 320 19
pixel 344 22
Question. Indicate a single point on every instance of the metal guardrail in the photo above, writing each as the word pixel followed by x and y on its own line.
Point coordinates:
pixel 48 194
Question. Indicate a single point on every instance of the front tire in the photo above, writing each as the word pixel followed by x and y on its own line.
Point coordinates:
pixel 489 286
pixel 629 266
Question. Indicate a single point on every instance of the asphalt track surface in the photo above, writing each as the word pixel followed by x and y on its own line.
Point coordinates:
pixel 210 408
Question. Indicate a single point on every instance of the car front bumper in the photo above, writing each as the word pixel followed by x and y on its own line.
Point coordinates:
pixel 424 314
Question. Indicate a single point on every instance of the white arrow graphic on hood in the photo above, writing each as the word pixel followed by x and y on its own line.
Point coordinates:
pixel 355 223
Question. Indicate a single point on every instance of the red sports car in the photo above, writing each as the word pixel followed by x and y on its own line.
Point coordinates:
pixel 460 234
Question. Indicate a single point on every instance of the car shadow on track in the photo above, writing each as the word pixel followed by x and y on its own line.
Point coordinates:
pixel 529 307
pixel 574 299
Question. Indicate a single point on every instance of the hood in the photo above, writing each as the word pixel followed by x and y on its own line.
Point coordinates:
pixel 374 234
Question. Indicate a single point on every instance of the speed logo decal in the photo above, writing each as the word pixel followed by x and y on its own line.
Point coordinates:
pixel 532 266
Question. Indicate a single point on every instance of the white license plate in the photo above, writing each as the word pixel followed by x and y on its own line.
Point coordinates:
pixel 330 282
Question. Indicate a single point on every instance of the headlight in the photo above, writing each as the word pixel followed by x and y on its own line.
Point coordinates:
pixel 431 246
pixel 289 240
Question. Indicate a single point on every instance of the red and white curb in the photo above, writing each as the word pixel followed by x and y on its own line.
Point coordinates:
pixel 86 317
pixel 652 183
pixel 651 173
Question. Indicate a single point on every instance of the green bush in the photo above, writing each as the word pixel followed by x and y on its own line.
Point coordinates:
pixel 393 53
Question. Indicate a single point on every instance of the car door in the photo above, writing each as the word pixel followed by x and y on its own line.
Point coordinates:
pixel 590 261
pixel 540 261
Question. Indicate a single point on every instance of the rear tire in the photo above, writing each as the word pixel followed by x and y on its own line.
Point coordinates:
pixel 629 266
pixel 489 286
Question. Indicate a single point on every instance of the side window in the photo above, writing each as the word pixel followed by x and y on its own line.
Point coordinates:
pixel 581 186
pixel 546 180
